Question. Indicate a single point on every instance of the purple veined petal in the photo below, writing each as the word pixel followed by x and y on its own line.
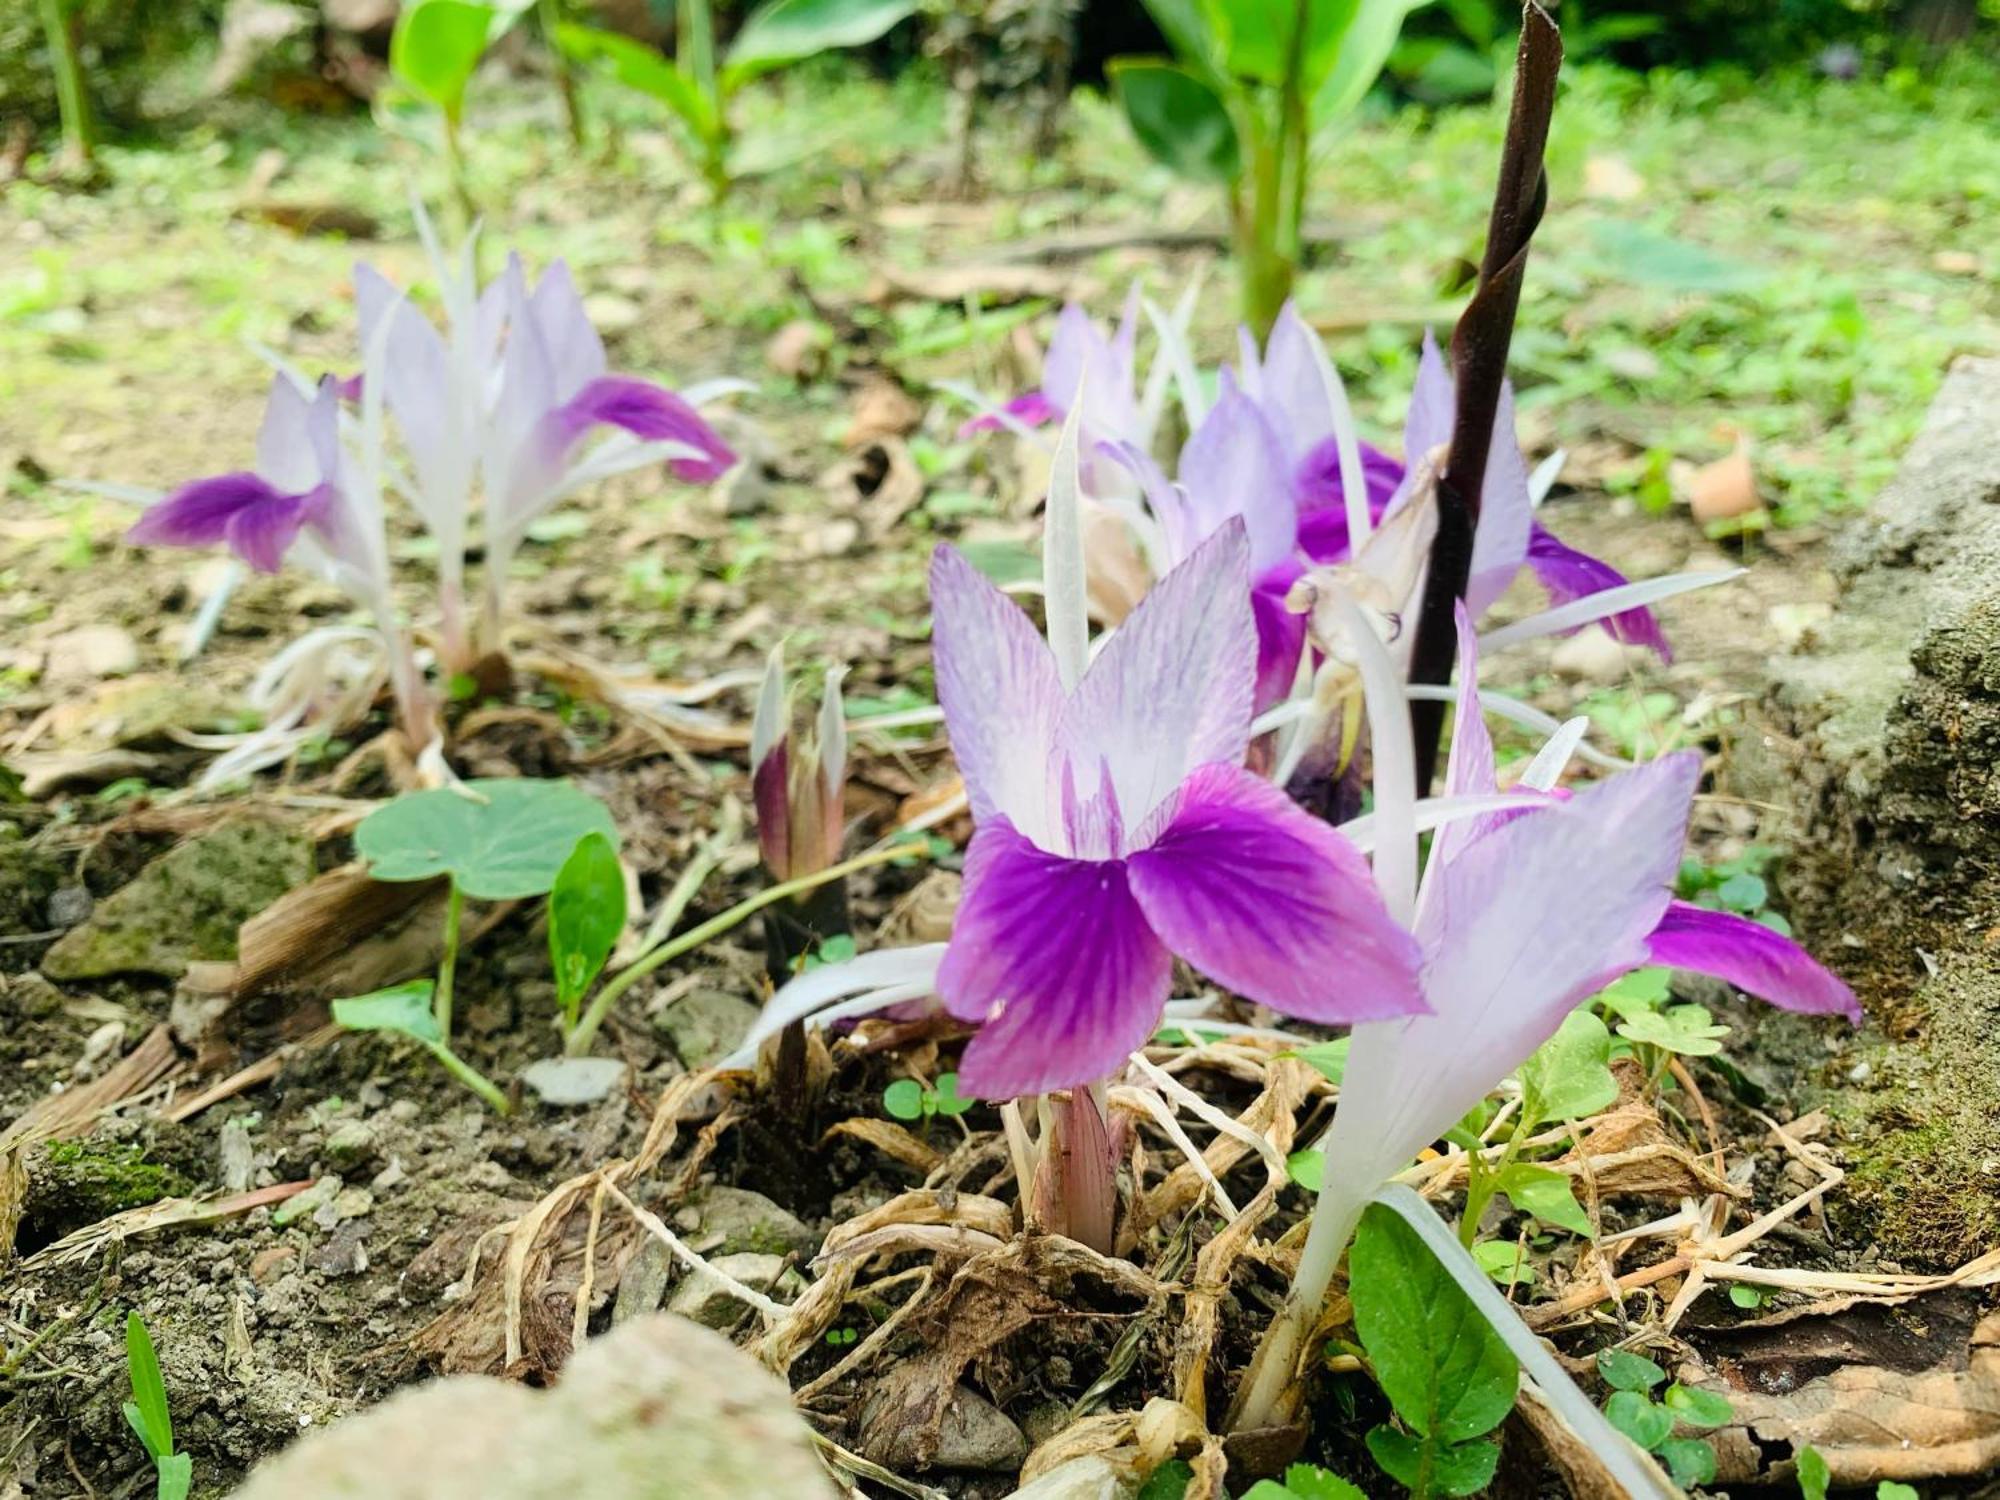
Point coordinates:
pixel 1232 465
pixel 1506 513
pixel 1074 344
pixel 198 514
pixel 1518 928
pixel 1055 958
pixel 575 350
pixel 1567 574
pixel 1166 500
pixel 418 387
pixel 1032 409
pixel 287 453
pixel 649 412
pixel 997 684
pixel 1271 902
pixel 1174 687
pixel 1433 404
pixel 1751 957
pixel 262 533
pixel 1281 636
pixel 1292 388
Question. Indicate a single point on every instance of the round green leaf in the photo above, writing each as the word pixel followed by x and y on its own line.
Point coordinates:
pixel 1623 1370
pixel 1691 1461
pixel 945 1098
pixel 1698 1408
pixel 436 46
pixel 1743 892
pixel 904 1099
pixel 1180 120
pixel 1505 1262
pixel 1645 1422
pixel 499 839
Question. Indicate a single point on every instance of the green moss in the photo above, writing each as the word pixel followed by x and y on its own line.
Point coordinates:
pixel 74 1183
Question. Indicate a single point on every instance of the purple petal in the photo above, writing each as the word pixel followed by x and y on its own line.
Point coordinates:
pixel 1517 929
pixel 997 684
pixel 1568 574
pixel 1173 689
pixel 1322 497
pixel 197 514
pixel 1750 956
pixel 418 385
pixel 1233 466
pixel 261 534
pixel 1074 344
pixel 1030 410
pixel 575 350
pixel 1281 636
pixel 649 412
pixel 1054 957
pixel 1433 404
pixel 1470 769
pixel 770 792
pixel 1506 514
pixel 1271 902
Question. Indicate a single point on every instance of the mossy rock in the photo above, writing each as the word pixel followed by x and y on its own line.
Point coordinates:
pixel 72 1184
pixel 187 904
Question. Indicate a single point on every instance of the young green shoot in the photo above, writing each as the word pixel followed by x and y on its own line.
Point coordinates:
pixel 148 1415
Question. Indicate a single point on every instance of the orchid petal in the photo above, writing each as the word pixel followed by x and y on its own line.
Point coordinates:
pixel 1172 690
pixel 887 969
pixel 1324 534
pixel 1268 900
pixel 1599 606
pixel 1233 466
pixel 648 412
pixel 997 684
pixel 262 533
pixel 1033 409
pixel 1506 514
pixel 1055 958
pixel 1394 748
pixel 1750 956
pixel 1569 575
pixel 1281 637
pixel 575 350
pixel 1065 570
pixel 198 514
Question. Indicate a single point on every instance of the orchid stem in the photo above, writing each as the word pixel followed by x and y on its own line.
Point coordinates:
pixel 586 1031
pixel 454 914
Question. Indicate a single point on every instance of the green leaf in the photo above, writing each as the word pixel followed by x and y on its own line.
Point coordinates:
pixel 436 47
pixel 1623 1370
pixel 1889 1489
pixel 1180 120
pixel 176 1477
pixel 1194 29
pixel 498 839
pixel 1505 1261
pixel 1455 1468
pixel 1692 1461
pixel 1307 1168
pixel 904 1099
pixel 785 31
pixel 1744 892
pixel 586 915
pixel 404 1008
pixel 1441 1365
pixel 1745 1295
pixel 1644 1421
pixel 1639 253
pixel 1354 65
pixel 945 1099
pixel 1688 1030
pixel 147 1410
pixel 640 67
pixel 1310 1482
pixel 1545 1193
pixel 1814 1475
pixel 1641 990
pixel 1170 1482
pixel 1569 1075
pixel 1698 1408
pixel 1329 1058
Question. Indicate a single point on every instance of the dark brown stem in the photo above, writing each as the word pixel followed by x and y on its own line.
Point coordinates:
pixel 1479 348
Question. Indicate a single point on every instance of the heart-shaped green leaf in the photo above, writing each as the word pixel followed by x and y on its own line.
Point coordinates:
pixel 1692 1462
pixel 1644 1421
pixel 404 1008
pixel 586 915
pixel 904 1099
pixel 1545 1193
pixel 498 839
pixel 1569 1075
pixel 1625 1371
pixel 1698 1408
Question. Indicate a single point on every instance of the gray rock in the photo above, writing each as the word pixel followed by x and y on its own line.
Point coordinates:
pixel 351 1143
pixel 656 1410
pixel 69 905
pixel 89 653
pixel 573 1080
pixel 978 1435
pixel 1888 744
pixel 735 1220
pixel 704 1300
pixel 1089 1478
pixel 705 1025
pixel 187 904
pixel 642 1284
pixel 238 1157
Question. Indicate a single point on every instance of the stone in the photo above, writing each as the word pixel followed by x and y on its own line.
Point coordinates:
pixel 1594 655
pixel 89 653
pixel 1887 742
pixel 977 1435
pixel 704 1026
pixel 1092 1477
pixel 187 904
pixel 351 1143
pixel 736 1220
pixel 658 1409
pixel 574 1080
pixel 704 1300
pixel 642 1284
pixel 70 904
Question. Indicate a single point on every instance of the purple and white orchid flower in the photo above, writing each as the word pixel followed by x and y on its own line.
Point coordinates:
pixel 1521 916
pixel 1080 351
pixel 1115 827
